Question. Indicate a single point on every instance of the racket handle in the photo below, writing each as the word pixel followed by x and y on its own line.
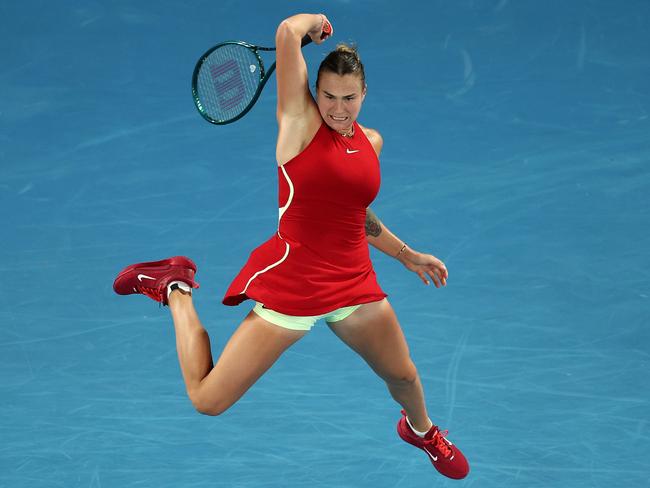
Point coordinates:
pixel 327 30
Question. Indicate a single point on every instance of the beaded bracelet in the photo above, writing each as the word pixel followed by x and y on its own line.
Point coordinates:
pixel 401 251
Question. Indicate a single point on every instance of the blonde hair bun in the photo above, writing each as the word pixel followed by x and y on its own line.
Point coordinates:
pixel 343 60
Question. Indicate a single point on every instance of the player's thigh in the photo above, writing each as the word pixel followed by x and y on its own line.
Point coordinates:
pixel 248 354
pixel 374 332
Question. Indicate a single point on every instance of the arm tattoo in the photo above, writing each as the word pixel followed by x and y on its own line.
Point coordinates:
pixel 373 224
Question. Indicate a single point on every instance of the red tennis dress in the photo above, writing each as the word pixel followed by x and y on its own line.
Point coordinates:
pixel 318 260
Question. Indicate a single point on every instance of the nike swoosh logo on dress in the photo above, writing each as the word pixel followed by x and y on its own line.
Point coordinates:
pixel 352 151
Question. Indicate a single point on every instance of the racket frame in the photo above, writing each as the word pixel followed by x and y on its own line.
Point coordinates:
pixel 264 77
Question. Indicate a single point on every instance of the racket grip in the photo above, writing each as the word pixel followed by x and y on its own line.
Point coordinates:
pixel 327 30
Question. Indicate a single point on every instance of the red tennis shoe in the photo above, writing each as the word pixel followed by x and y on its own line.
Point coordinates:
pixel 445 457
pixel 151 279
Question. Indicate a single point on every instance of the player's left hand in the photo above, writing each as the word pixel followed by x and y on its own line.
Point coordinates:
pixel 426 267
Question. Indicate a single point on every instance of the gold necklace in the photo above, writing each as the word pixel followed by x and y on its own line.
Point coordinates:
pixel 348 133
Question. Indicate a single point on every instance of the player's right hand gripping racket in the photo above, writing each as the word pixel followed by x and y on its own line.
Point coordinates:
pixel 229 77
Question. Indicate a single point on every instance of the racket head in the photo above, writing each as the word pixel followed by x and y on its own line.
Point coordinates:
pixel 227 80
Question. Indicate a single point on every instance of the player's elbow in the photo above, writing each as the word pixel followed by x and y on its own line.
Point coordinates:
pixel 286 30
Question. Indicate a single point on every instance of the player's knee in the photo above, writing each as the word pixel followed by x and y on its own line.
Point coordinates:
pixel 210 410
pixel 405 376
pixel 209 406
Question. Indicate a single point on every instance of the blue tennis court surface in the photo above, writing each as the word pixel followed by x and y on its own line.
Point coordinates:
pixel 516 149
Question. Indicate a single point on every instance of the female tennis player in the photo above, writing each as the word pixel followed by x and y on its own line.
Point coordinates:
pixel 317 264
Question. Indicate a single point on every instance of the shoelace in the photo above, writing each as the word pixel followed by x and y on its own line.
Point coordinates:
pixel 438 442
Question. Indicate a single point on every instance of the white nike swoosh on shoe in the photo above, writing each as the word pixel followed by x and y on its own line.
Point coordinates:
pixel 352 151
pixel 141 276
pixel 435 459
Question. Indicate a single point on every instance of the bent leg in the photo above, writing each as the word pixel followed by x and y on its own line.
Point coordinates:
pixel 249 353
pixel 373 331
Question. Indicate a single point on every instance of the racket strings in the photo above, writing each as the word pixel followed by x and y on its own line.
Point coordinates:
pixel 227 81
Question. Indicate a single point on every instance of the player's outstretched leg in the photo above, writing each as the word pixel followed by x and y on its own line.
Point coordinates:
pixel 250 352
pixel 373 331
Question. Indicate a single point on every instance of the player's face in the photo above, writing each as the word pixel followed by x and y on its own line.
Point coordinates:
pixel 339 99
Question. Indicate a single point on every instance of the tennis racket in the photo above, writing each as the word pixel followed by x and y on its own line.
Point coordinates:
pixel 229 78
